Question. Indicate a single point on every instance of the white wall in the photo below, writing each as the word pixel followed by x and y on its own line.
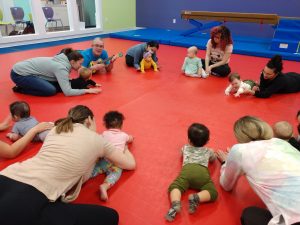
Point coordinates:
pixel 5 6
pixel 39 23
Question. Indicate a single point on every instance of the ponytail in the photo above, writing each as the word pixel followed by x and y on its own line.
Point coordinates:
pixel 276 64
pixel 64 125
pixel 77 114
pixel 72 54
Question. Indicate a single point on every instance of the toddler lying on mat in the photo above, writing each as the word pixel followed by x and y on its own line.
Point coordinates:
pixel 238 87
pixel 20 113
pixel 84 81
pixel 194 173
pixel 113 121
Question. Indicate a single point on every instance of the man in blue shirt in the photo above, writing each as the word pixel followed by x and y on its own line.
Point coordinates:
pixel 95 53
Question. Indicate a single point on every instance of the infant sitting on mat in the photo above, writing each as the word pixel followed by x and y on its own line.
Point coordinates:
pixel 192 65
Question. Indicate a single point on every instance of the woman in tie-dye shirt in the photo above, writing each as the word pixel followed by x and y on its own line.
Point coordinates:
pixel 271 167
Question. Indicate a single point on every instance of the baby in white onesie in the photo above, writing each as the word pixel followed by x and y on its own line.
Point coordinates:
pixel 238 87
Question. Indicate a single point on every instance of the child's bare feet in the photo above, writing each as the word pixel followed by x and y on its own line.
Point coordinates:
pixel 103 192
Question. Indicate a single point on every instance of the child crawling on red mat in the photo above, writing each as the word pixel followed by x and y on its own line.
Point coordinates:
pixel 238 87
pixel 147 62
pixel 194 173
pixel 113 121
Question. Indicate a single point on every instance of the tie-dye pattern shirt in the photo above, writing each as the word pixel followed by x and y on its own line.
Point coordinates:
pixel 272 168
pixel 198 155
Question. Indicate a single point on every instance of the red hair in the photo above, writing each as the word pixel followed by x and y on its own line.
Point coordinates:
pixel 225 36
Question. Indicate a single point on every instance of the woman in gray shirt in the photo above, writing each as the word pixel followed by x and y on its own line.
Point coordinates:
pixel 45 76
pixel 134 55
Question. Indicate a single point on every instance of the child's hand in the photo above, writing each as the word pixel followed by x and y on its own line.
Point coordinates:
pixel 237 95
pixel 98 66
pixel 142 71
pixel 255 88
pixel 155 70
pixel 98 85
pixel 12 136
pixel 130 139
pixel 227 93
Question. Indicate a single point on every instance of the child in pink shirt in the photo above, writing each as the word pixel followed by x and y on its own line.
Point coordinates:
pixel 113 121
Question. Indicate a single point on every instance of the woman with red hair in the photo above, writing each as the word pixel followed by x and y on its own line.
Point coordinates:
pixel 218 51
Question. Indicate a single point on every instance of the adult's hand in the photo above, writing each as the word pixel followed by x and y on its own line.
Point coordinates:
pixel 42 127
pixel 114 58
pixel 12 151
pixel 93 91
pixel 124 160
pixel 100 66
pixel 250 92
pixel 208 70
pixel 222 155
pixel 255 88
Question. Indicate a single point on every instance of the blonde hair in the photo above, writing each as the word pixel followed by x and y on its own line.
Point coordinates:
pixel 85 73
pixel 77 114
pixel 249 128
pixel 283 130
pixel 193 49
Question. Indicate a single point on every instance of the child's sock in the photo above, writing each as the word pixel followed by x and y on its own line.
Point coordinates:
pixel 194 202
pixel 175 208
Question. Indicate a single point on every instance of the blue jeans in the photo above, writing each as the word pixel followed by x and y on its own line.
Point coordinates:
pixel 33 85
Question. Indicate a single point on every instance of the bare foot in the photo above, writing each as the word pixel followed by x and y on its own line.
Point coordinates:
pixel 103 192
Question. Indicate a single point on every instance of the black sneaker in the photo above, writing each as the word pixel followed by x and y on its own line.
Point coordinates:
pixel 194 202
pixel 171 215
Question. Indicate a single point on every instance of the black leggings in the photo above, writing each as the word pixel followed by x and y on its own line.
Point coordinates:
pixel 129 61
pixel 23 204
pixel 220 71
pixel 257 216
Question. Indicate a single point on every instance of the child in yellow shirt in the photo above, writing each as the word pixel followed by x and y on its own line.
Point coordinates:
pixel 147 62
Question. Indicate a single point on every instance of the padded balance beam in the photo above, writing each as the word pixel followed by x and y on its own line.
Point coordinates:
pixel 222 17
